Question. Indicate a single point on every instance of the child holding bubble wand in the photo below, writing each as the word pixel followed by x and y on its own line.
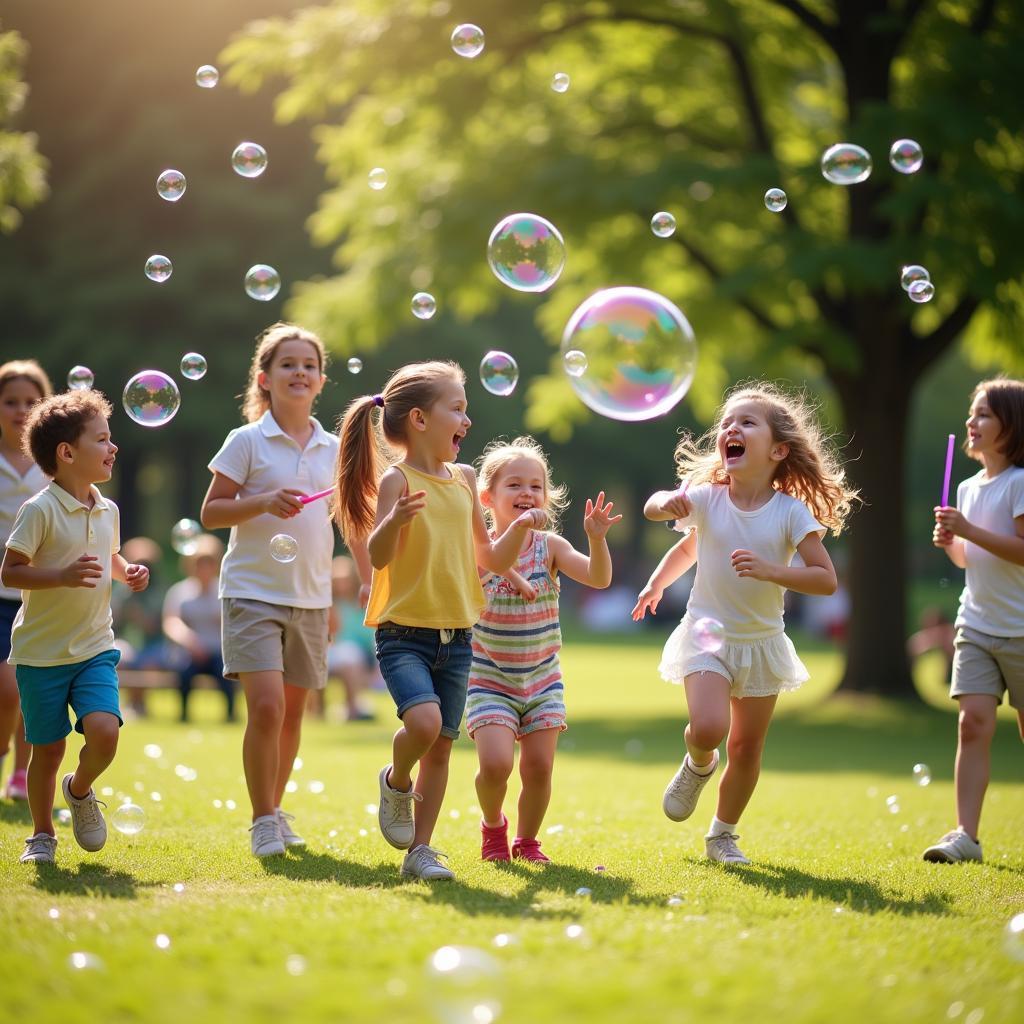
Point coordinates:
pixel 984 535
pixel 275 581
pixel 761 486
pixel 426 536
pixel 515 684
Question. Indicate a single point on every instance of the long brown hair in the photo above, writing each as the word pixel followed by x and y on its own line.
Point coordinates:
pixel 1005 398
pixel 811 472
pixel 257 399
pixel 368 443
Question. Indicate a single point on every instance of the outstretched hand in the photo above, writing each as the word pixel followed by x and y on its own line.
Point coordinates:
pixel 597 517
pixel 648 600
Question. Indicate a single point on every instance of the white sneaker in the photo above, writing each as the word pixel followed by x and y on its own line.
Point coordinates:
pixel 266 836
pixel 288 835
pixel 723 848
pixel 953 847
pixel 682 792
pixel 86 818
pixel 39 849
pixel 421 862
pixel 394 813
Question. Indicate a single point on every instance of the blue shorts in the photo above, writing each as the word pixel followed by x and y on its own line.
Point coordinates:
pixel 419 668
pixel 8 609
pixel 47 691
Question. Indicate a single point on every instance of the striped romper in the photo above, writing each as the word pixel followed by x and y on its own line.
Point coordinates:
pixel 516 680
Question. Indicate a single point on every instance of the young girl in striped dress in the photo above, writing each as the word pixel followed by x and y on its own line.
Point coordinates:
pixel 515 684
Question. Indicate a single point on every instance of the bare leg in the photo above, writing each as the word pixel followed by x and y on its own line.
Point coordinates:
pixel 265 703
pixel 496 751
pixel 291 733
pixel 101 732
pixel 751 717
pixel 42 784
pixel 536 762
pixel 421 728
pixel 12 727
pixel 707 700
pixel 976 727
pixel 431 783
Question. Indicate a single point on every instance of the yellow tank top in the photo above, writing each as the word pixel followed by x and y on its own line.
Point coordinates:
pixel 432 581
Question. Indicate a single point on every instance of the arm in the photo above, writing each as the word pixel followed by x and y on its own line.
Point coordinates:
pixel 816 576
pixel 524 587
pixel 19 573
pixel 395 510
pixel 223 508
pixel 950 522
pixel 664 506
pixel 497 556
pixel 136 577
pixel 595 571
pixel 676 562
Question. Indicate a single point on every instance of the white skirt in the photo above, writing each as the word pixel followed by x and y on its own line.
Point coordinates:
pixel 754 668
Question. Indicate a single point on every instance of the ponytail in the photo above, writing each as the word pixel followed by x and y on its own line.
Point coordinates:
pixel 359 469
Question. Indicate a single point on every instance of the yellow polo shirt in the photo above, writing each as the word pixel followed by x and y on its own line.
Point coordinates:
pixel 64 625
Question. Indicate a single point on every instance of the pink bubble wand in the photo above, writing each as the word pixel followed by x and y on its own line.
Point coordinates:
pixel 949 470
pixel 307 498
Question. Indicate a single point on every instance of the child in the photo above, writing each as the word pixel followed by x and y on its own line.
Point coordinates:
pixel 274 622
pixel 984 535
pixel 762 485
pixel 515 684
pixel 23 382
pixel 62 644
pixel 426 539
pixel 350 657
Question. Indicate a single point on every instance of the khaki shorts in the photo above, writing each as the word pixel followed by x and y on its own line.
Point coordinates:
pixel 988 664
pixel 261 637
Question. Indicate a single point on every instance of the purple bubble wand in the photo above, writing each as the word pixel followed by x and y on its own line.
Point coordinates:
pixel 949 470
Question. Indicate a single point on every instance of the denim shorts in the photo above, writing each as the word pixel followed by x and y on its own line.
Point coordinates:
pixel 423 666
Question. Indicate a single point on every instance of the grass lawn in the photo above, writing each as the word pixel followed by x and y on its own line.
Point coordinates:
pixel 838 919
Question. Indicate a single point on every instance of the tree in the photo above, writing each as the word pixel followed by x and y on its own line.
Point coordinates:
pixel 695 108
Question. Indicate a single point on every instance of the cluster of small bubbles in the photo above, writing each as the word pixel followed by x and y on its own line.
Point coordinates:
pixel 262 282
pixel 151 398
pixel 170 185
pixel 193 366
pixel 584 892
pixel 906 156
pixel 158 268
pixel 178 887
pixel 499 373
pixel 846 164
pixel 1013 938
pixel 185 534
pixel 922 774
pixel 893 803
pixel 560 82
pixel 295 965
pixel 526 252
pixel 424 305
pixel 80 378
pixel 709 634
pixel 921 291
pixel 663 224
pixel 283 547
pixel 207 76
pixel 129 819
pixel 85 962
pixel 775 200
pixel 354 365
pixel 377 178
pixel 468 40
pixel 574 931
pixel 185 773
pixel 911 274
pixel 575 362
pixel 640 350
pixel 63 816
pixel 249 159
pixel 162 941
pixel 316 786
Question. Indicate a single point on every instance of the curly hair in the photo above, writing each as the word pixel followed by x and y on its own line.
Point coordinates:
pixel 499 453
pixel 60 419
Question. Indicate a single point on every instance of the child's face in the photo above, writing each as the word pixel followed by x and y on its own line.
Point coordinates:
pixel 91 457
pixel 745 441
pixel 519 486
pixel 294 375
pixel 16 399
pixel 445 423
pixel 983 428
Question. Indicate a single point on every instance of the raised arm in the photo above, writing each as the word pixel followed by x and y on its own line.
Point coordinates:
pixel 498 555
pixel 223 508
pixel 676 562
pixel 663 506
pixel 594 570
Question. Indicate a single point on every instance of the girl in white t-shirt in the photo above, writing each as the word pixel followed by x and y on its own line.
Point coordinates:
pixel 275 594
pixel 762 485
pixel 984 535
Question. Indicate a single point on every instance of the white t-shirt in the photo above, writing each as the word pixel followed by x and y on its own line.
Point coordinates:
pixel 993 599
pixel 199 609
pixel 261 457
pixel 749 609
pixel 15 490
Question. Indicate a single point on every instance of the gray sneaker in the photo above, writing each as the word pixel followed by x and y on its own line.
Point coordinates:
pixel 422 862
pixel 953 847
pixel 86 818
pixel 723 848
pixel 39 849
pixel 288 835
pixel 682 792
pixel 266 836
pixel 394 813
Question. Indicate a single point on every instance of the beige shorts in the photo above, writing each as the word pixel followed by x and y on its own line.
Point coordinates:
pixel 988 664
pixel 261 637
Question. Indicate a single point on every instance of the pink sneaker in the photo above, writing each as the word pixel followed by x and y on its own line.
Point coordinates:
pixel 17 786
pixel 494 841
pixel 528 849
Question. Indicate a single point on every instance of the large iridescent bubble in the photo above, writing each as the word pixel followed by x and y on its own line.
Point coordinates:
pixel 151 398
pixel 639 349
pixel 526 252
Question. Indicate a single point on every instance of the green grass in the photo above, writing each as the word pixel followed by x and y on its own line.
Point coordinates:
pixel 837 920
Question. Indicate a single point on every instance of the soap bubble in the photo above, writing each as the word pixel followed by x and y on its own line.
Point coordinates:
pixel 560 82
pixel 526 252
pixel 262 282
pixel 129 819
pixel 464 985
pixel 80 378
pixel 640 351
pixel 283 547
pixel 906 156
pixel 922 774
pixel 193 366
pixel 1013 938
pixel 151 398
pixel 179 887
pixel 574 931
pixel 249 159
pixel 162 941
pixel 355 364
pixel 378 178
pixel 709 634
pixel 575 362
pixel 207 76
pixel 154 750
pixel 468 40
pixel 85 962
pixel 921 291
pixel 775 199
pixel 63 816
pixel 170 185
pixel 424 305
pixel 846 164
pixel 158 268
pixel 893 803
pixel 911 274
pixel 184 535
pixel 663 224
pixel 499 373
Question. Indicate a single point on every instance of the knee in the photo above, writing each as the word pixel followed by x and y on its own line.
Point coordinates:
pixel 707 734
pixel 745 749
pixel 495 767
pixel 423 723
pixel 266 711
pixel 439 754
pixel 536 770
pixel 975 727
pixel 102 735
pixel 48 756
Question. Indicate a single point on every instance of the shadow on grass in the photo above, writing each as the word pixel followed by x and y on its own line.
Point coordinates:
pixel 88 880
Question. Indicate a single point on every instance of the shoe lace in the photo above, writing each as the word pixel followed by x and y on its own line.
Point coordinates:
pixel 402 805
pixel 283 819
pixel 40 842
pixel 89 811
pixel 726 843
pixel 264 832
pixel 427 855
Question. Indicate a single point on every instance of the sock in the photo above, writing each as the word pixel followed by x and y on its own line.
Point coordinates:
pixel 718 827
pixel 700 769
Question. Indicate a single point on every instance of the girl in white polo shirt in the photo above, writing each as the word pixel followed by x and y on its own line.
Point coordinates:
pixel 761 486
pixel 274 622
